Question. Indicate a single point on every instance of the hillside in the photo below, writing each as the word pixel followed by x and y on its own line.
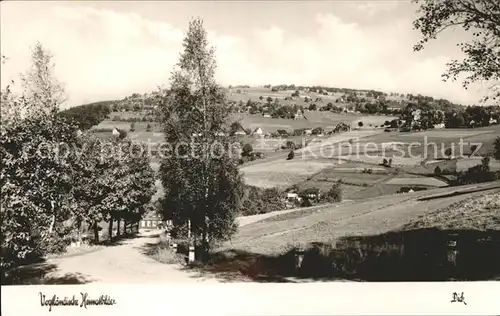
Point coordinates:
pixel 481 213
pixel 325 224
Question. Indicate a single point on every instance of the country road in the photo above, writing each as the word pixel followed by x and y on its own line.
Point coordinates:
pixel 127 263
pixel 124 263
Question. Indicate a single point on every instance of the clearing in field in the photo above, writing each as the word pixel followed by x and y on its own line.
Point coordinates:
pixel 418 181
pixel 281 173
pixel 447 133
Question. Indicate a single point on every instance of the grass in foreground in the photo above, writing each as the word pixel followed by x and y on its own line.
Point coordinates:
pixel 420 252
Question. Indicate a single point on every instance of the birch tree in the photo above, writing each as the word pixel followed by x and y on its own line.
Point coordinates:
pixel 40 85
pixel 200 175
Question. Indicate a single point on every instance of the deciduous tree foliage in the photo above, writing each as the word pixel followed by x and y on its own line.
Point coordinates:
pixel 112 182
pixel 53 179
pixel 482 53
pixel 35 177
pixel 35 185
pixel 201 178
pixel 88 115
pixel 496 149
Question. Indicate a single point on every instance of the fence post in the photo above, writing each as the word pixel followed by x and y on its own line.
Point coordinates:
pixel 299 257
pixel 452 251
pixel 191 256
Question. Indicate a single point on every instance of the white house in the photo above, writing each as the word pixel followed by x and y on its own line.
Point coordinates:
pixel 308 131
pixel 258 131
pixel 239 133
pixel 439 126
pixel 493 121
pixel 292 197
pixel 115 132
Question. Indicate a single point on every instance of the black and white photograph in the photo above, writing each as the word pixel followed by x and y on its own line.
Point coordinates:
pixel 211 142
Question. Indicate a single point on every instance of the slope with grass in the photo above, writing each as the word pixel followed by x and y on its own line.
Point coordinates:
pixel 326 224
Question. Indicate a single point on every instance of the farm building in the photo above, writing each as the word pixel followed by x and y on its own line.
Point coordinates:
pixel 298 115
pixel 258 131
pixel 150 222
pixel 239 129
pixel 115 132
pixel 293 197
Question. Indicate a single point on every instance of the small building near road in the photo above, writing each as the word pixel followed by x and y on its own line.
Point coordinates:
pixel 151 222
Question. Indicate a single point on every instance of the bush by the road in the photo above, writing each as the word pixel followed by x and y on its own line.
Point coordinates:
pixel 259 201
pixel 478 174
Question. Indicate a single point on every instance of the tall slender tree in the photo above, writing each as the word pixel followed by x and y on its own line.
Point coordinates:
pixel 40 85
pixel 201 179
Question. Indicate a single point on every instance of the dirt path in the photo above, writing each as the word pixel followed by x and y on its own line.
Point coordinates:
pixel 124 263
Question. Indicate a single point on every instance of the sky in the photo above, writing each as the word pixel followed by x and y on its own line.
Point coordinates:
pixel 109 50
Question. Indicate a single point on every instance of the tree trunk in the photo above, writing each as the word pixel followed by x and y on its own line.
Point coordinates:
pixel 204 240
pixel 53 220
pixel 125 223
pixel 118 223
pixel 79 228
pixel 110 228
pixel 52 223
pixel 96 232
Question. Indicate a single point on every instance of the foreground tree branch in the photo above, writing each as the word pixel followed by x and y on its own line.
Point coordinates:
pixel 482 52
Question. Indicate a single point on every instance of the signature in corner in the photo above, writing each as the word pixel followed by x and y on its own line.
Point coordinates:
pixel 458 298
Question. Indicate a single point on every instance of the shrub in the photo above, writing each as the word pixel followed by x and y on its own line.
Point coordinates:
pixel 291 155
pixel 259 201
pixel 448 152
pixel 132 127
pixel 438 170
pixel 478 174
pixel 148 128
pixel 360 124
pixel 335 193
pixel 473 148
pixel 123 134
pixel 246 150
pixel 496 150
